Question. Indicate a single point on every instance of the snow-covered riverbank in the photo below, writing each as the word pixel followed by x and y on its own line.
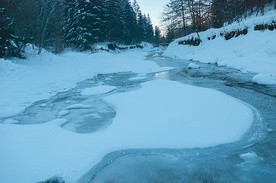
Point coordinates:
pixel 42 76
pixel 254 52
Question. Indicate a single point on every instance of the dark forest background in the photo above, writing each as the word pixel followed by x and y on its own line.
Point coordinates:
pixel 78 24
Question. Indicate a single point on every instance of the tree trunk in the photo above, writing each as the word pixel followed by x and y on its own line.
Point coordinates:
pixel 199 17
pixel 262 6
pixel 183 18
pixel 193 15
pixel 44 28
pixel 58 27
pixel 41 43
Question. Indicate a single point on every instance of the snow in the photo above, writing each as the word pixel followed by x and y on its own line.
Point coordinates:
pixel 161 114
pixel 254 52
pixel 11 121
pixel 63 113
pixel 40 77
pixel 97 90
pixel 250 157
pixel 78 106
pixel 193 66
pixel 67 101
pixel 138 77
pixel 266 79
pixel 43 105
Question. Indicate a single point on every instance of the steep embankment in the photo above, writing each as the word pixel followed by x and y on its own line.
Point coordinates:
pixel 249 46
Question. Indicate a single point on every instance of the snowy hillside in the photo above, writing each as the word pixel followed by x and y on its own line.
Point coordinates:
pixel 249 46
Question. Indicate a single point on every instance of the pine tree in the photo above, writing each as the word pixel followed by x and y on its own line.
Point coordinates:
pixel 95 21
pixel 141 22
pixel 149 32
pixel 114 20
pixel 139 35
pixel 130 27
pixel 58 25
pixel 177 11
pixel 170 36
pixel 83 18
pixel 217 10
pixel 157 35
pixel 84 24
pixel 4 34
pixel 70 23
pixel 9 43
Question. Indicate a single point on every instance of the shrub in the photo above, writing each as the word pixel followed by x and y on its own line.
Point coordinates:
pixel 192 42
pixel 229 35
pixel 259 27
pixel 245 31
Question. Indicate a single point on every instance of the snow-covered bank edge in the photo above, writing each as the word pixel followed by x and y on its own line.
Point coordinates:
pixel 41 76
pixel 253 52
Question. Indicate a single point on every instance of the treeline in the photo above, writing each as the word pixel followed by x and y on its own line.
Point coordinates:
pixel 183 17
pixel 77 24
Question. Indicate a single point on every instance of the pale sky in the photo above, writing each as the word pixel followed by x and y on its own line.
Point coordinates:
pixel 154 8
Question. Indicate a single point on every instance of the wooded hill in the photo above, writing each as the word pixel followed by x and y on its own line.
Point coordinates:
pixel 183 17
pixel 77 24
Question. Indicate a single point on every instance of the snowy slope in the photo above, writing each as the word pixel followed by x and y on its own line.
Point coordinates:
pixel 254 52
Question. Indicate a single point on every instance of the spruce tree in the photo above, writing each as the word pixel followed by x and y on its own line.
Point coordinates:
pixel 130 27
pixel 114 20
pixel 70 23
pixel 9 43
pixel 149 29
pixel 157 35
pixel 139 35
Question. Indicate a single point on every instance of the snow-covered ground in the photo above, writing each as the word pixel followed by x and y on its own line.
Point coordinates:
pixel 254 52
pixel 97 90
pixel 26 81
pixel 193 66
pixel 161 114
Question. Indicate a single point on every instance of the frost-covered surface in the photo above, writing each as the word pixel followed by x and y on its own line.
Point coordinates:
pixel 63 113
pixel 161 114
pixel 267 79
pixel 40 77
pixel 254 52
pixel 250 157
pixel 97 90
pixel 193 66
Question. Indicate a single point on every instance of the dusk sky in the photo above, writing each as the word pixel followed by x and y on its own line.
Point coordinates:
pixel 154 8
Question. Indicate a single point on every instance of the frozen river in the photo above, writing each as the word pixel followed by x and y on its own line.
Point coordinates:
pixel 251 159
